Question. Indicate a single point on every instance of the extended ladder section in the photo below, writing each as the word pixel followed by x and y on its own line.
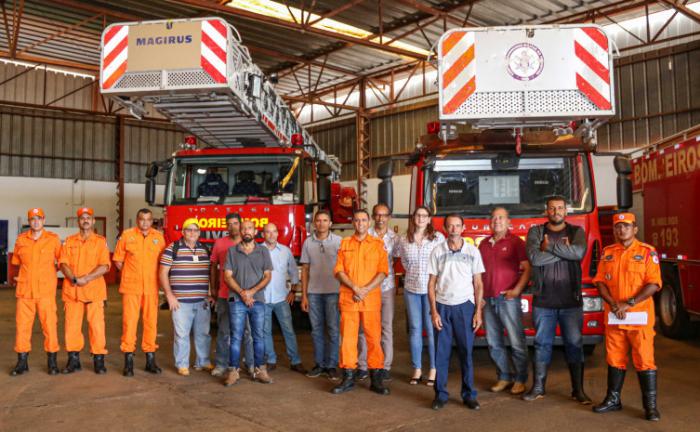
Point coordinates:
pixel 518 77
pixel 197 73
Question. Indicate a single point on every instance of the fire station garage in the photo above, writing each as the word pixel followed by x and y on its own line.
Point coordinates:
pixel 194 196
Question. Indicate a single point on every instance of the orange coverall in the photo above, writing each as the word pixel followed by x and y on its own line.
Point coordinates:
pixel 626 272
pixel 36 289
pixel 139 285
pixel 361 261
pixel 82 257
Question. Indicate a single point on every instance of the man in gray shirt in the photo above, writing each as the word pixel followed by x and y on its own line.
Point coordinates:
pixel 247 271
pixel 320 295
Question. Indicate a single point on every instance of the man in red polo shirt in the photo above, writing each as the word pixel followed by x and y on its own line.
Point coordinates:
pixel 507 274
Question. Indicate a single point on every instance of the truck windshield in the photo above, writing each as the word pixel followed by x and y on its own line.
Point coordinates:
pixel 473 185
pixel 235 180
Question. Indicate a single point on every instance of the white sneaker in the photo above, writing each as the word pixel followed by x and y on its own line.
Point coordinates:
pixel 218 371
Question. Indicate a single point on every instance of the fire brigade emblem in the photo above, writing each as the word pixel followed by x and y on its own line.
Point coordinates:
pixel 525 62
pixel 654 257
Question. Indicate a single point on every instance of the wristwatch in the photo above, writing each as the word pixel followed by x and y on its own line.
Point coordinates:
pixel 631 301
pixel 75 280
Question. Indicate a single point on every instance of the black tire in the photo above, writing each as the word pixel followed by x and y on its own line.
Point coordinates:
pixel 588 350
pixel 673 319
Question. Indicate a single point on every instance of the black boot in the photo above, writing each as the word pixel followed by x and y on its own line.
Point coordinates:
pixel 22 365
pixel 612 401
pixel 539 380
pixel 128 364
pixel 99 361
pixel 347 384
pixel 647 381
pixel 53 366
pixel 73 362
pixel 377 382
pixel 151 365
pixel 577 393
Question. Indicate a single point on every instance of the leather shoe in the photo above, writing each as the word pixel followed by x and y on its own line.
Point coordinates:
pixel 438 404
pixel 472 404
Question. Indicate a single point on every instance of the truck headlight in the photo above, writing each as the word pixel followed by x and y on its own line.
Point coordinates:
pixel 592 304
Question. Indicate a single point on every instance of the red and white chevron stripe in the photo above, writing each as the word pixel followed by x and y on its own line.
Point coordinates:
pixel 592 65
pixel 213 58
pixel 458 78
pixel 114 54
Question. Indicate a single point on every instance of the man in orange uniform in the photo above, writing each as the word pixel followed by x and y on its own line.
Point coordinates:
pixel 84 259
pixel 361 267
pixel 36 252
pixel 137 255
pixel 628 276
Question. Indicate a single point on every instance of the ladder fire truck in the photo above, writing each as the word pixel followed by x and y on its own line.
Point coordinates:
pixel 537 94
pixel 258 160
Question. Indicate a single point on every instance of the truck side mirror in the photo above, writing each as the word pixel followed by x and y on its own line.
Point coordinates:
pixel 623 167
pixel 323 184
pixel 151 174
pixel 385 190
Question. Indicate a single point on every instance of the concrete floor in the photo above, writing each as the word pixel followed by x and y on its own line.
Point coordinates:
pixel 38 402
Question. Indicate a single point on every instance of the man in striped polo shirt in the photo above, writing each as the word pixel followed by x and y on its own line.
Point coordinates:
pixel 184 276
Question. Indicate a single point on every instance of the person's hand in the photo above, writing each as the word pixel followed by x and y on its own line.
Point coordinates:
pixel 437 322
pixel 545 243
pixel 305 303
pixel 511 294
pixel 621 310
pixel 476 321
pixel 211 300
pixel 81 281
pixel 247 298
pixel 356 289
pixel 173 304
pixel 290 298
pixel 14 281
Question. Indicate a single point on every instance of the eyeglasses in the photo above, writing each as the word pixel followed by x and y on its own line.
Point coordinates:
pixel 422 216
pixel 191 230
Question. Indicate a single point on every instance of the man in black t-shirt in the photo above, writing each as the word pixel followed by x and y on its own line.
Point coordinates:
pixel 555 251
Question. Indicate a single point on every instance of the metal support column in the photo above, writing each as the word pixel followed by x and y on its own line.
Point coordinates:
pixel 119 144
pixel 363 146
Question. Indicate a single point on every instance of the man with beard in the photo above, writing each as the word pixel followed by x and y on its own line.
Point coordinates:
pixel 247 272
pixel 137 255
pixel 219 291
pixel 84 260
pixel 555 250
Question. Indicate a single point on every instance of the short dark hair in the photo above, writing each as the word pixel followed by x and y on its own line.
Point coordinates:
pixel 554 198
pixel 323 212
pixel 381 204
pixel 453 215
pixel 355 212
pixel 233 216
pixel 143 211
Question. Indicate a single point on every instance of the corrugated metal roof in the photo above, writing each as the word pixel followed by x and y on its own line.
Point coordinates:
pixel 277 49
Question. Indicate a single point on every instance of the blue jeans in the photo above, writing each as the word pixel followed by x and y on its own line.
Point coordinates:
pixel 187 319
pixel 238 314
pixel 325 328
pixel 418 316
pixel 570 324
pixel 223 333
pixel 457 326
pixel 503 314
pixel 284 317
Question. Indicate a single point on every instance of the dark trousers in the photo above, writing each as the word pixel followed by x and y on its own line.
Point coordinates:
pixel 457 327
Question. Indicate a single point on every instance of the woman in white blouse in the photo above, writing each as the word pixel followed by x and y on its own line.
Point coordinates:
pixel 415 248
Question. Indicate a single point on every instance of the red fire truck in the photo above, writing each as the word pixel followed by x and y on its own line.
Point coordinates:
pixel 666 182
pixel 523 86
pixel 257 160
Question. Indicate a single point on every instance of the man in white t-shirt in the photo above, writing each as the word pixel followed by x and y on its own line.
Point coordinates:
pixel 454 289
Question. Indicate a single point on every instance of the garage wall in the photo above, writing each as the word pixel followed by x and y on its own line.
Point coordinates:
pixel 55 144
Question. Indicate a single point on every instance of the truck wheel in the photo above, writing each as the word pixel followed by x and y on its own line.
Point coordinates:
pixel 673 319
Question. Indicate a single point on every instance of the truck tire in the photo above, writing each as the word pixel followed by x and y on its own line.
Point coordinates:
pixel 673 319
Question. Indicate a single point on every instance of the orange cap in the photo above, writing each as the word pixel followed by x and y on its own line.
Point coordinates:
pixel 35 212
pixel 624 218
pixel 87 210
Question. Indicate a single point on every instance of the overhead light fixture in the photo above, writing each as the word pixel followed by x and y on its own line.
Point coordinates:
pixel 49 69
pixel 291 14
